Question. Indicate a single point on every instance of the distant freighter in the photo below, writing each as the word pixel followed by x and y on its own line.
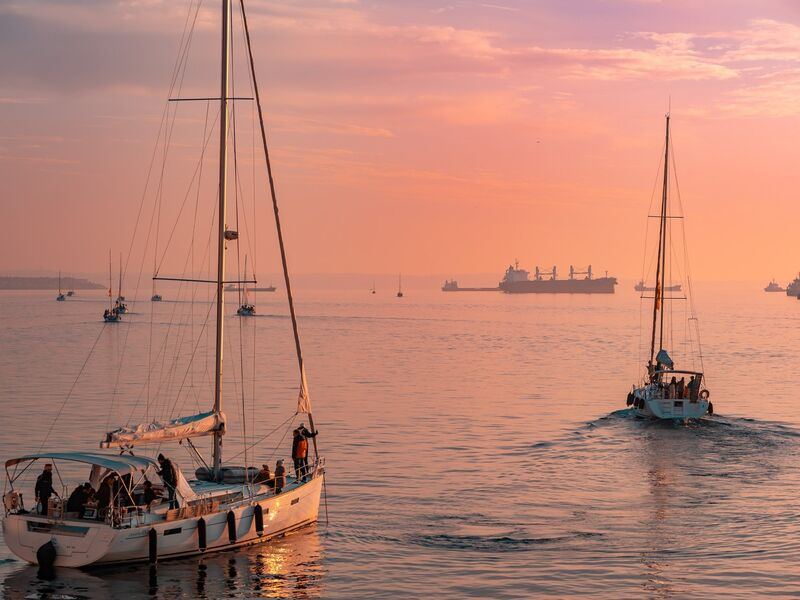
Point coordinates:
pixel 517 281
pixel 452 286
pixel 641 287
pixel 793 289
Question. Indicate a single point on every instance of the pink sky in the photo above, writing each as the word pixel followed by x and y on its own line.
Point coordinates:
pixel 423 137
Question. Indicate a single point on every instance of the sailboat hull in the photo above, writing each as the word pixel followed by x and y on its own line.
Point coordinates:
pixel 650 402
pixel 83 543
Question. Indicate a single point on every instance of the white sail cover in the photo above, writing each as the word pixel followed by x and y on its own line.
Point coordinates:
pixel 161 431
pixel 303 399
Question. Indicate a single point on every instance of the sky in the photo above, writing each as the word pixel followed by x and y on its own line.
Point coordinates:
pixel 420 136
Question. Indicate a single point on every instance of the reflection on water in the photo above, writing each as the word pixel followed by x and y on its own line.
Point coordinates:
pixel 289 567
pixel 477 447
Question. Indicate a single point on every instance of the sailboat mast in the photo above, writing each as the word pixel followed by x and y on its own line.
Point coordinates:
pixel 660 263
pixel 223 173
pixel 119 289
pixel 110 305
pixel 59 282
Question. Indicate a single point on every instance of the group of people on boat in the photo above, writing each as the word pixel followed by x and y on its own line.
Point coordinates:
pixel 277 480
pixel 114 491
pixel 676 389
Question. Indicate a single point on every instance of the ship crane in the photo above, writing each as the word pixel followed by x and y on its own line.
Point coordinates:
pixel 587 272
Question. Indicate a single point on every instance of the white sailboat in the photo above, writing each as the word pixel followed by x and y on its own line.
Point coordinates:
pixel 111 314
pixel 665 392
pixel 120 305
pixel 246 308
pixel 223 508
pixel 61 297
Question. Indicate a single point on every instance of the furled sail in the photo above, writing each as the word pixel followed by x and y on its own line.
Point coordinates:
pixel 663 358
pixel 160 431
pixel 303 399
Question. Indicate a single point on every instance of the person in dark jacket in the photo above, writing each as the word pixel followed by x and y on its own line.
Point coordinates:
pixel 280 476
pixel 44 487
pixel 105 495
pixel 264 476
pixel 149 495
pixel 169 476
pixel 300 439
pixel 76 499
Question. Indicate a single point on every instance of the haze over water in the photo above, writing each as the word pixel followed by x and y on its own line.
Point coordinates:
pixel 478 445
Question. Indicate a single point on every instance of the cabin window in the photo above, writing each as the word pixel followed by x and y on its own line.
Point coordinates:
pixel 679 404
pixel 296 500
pixel 57 529
pixel 172 531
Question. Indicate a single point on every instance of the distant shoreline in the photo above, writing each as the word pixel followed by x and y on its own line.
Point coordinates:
pixel 47 283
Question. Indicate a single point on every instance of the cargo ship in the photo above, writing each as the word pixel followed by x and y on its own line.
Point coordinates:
pixel 774 286
pixel 451 285
pixel 518 281
pixel 793 289
pixel 641 287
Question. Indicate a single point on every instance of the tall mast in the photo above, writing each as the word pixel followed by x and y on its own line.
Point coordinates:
pixel 660 264
pixel 119 289
pixel 59 282
pixel 110 305
pixel 223 173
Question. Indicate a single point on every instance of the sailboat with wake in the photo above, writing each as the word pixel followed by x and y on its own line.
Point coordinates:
pixel 666 392
pixel 223 507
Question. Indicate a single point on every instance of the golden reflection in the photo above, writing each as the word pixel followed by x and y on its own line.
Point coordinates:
pixel 287 567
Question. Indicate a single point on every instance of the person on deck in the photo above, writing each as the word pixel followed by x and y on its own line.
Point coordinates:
pixel 44 488
pixel 672 389
pixel 300 451
pixel 681 389
pixel 693 387
pixel 280 476
pixel 77 499
pixel 105 495
pixel 264 475
pixel 169 476
pixel 149 495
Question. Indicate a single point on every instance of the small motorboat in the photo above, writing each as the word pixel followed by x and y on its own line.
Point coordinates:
pixel 156 298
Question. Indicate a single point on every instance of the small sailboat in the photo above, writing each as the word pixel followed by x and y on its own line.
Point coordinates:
pixel 373 286
pixel 246 309
pixel 111 314
pixel 224 507
pixel 400 286
pixel 70 293
pixel 61 297
pixel 120 305
pixel 666 392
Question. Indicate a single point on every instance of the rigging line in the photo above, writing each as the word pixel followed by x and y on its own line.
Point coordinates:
pixel 194 228
pixel 282 246
pixel 170 127
pixel 262 438
pixel 72 387
pixel 188 191
pixel 179 68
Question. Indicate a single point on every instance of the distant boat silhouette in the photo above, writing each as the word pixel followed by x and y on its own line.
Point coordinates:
pixel 60 297
pixel 400 286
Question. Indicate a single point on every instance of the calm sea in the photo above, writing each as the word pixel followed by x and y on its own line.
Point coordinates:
pixel 478 444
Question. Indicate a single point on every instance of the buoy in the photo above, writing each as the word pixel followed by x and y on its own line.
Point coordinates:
pixel 231 527
pixel 259 517
pixel 152 540
pixel 201 534
pixel 46 555
pixel 710 408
